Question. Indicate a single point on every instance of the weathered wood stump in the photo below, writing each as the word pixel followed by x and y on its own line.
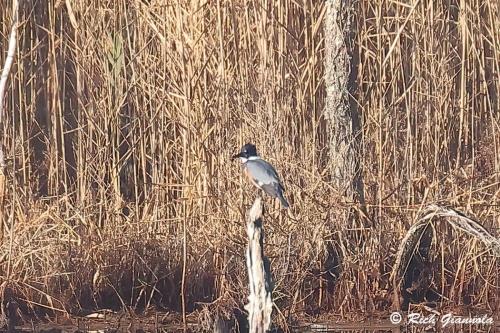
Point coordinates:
pixel 260 304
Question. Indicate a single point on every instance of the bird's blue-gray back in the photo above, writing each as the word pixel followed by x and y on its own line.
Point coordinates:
pixel 262 171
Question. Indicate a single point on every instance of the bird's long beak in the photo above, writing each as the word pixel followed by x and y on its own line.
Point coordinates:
pixel 236 156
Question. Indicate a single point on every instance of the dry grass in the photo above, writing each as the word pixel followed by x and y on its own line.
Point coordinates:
pixel 416 243
pixel 122 115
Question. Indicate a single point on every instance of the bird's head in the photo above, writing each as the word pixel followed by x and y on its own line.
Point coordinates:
pixel 247 151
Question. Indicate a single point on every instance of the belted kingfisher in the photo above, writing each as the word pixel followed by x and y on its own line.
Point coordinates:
pixel 261 173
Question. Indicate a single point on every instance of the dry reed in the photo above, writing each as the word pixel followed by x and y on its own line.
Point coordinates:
pixel 121 117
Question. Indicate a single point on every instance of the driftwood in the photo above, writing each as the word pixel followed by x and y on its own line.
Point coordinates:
pixel 260 304
pixel 409 244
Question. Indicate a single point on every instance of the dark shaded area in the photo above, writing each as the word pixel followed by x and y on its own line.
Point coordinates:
pixel 66 64
pixel 9 317
pixel 417 280
pixel 36 30
pixel 353 95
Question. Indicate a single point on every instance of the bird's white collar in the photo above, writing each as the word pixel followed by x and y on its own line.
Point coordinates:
pixel 243 160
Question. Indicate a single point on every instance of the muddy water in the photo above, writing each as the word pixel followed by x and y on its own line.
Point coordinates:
pixel 309 328
pixel 387 327
pixel 112 322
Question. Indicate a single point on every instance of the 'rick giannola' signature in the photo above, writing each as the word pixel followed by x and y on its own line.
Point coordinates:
pixel 445 320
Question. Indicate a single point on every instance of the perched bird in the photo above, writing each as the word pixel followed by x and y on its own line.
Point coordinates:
pixel 261 173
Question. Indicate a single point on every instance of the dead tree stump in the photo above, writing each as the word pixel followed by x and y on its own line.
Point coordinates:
pixel 260 304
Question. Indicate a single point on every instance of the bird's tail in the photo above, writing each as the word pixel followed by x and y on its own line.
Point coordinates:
pixel 283 201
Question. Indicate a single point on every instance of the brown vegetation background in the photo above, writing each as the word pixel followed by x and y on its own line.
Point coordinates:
pixel 122 116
